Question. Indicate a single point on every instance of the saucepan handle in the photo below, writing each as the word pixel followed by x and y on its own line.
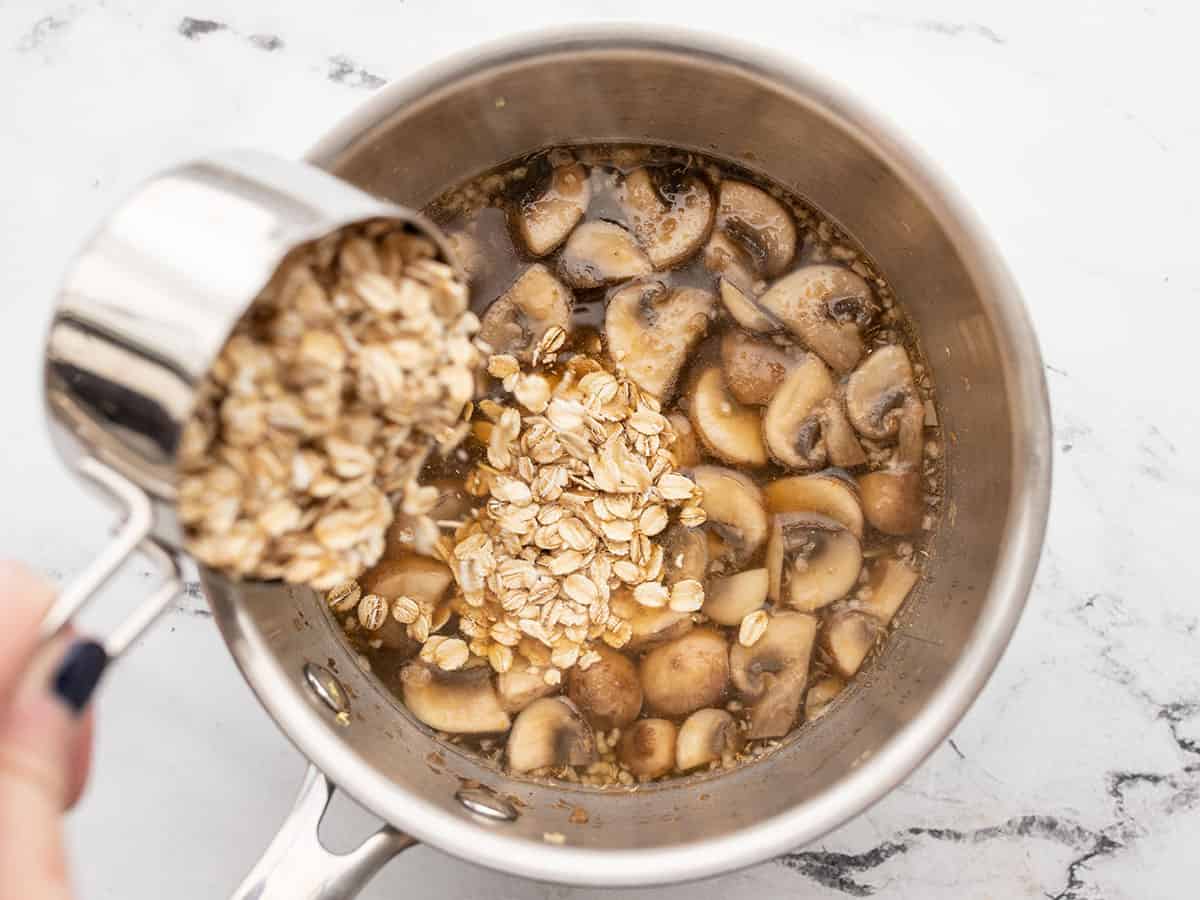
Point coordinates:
pixel 297 866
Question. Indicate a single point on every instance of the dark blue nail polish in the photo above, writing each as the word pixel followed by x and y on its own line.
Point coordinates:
pixel 79 673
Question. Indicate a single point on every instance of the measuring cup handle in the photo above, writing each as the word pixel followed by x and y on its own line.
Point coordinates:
pixel 297 866
pixel 133 535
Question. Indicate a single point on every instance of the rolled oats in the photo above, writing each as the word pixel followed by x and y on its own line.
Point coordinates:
pixel 344 597
pixel 318 415
pixel 570 512
pixel 753 626
pixel 372 612
pixel 405 610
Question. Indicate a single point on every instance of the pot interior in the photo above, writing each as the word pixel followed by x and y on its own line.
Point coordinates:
pixel 413 142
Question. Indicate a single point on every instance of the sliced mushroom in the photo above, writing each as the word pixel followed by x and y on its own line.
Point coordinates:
pixel 848 637
pixel 652 328
pixel 649 627
pixel 758 222
pixel 685 674
pixel 754 367
pixel 728 429
pixel 820 695
pixel 732 598
pixel 729 261
pixel 889 583
pixel 812 560
pixel 840 440
pixel 653 627
pixel 553 204
pixel 878 390
pixel 773 673
pixel 601 253
pixel 686 450
pixel 734 506
pixel 670 212
pixel 827 307
pixel 461 702
pixel 549 733
pixel 739 284
pixel 708 735
pixel 891 498
pixel 647 748
pixel 743 310
pixel 685 554
pixel 517 319
pixel 828 493
pixel 608 692
pixel 518 687
pixel 794 422
pixel 407 575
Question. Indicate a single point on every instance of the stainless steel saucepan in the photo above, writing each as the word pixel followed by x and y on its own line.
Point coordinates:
pixel 125 351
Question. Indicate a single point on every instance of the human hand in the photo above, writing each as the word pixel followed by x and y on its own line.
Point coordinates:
pixel 45 738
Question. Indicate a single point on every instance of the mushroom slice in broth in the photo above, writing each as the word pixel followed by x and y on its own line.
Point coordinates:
pixel 729 430
pixel 827 307
pixel 793 423
pixel 685 674
pixel 759 222
pixel 550 732
pixel 743 310
pixel 518 687
pixel 735 509
pixel 820 695
pixel 670 212
pixel 608 692
pixel 889 582
pixel 878 391
pixel 830 493
pixel 601 253
pixel 812 560
pixel 460 702
pixel 647 748
pixel 554 202
pixel 892 497
pixel 516 321
pixel 756 367
pixel 773 672
pixel 730 262
pixel 733 597
pixel 847 637
pixel 707 736
pixel 651 328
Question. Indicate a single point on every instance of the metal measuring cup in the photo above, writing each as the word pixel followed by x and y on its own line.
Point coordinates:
pixel 144 309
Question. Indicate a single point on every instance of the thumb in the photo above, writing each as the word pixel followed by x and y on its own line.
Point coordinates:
pixel 38 739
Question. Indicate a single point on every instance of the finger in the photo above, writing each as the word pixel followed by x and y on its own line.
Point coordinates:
pixel 79 766
pixel 38 734
pixel 24 600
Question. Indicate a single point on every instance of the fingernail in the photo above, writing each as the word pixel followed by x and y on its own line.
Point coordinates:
pixel 78 674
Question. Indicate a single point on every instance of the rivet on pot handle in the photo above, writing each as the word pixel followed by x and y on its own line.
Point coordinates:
pixel 133 535
pixel 297 866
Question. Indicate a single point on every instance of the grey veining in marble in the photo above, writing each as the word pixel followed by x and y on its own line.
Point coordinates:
pixel 1070 126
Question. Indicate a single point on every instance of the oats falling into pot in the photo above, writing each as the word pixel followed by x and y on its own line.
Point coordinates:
pixel 355 363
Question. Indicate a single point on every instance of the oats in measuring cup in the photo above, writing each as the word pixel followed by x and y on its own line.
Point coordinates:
pixel 355 363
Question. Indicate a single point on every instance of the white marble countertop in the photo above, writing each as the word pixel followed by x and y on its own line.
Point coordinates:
pixel 1072 128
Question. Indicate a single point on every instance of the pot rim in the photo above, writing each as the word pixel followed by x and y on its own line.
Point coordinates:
pixel 1018 556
